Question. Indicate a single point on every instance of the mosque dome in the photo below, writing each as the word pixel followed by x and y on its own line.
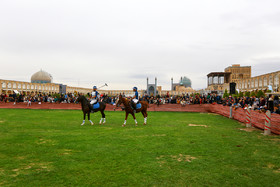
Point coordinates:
pixel 41 77
pixel 185 81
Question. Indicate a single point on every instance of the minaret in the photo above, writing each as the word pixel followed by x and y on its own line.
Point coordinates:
pixel 148 85
pixel 155 87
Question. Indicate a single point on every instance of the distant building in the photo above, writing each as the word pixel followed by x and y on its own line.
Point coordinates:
pixel 8 86
pixel 41 77
pixel 217 81
pixel 261 82
pixel 184 82
pixel 42 82
pixel 183 87
pixel 238 72
pixel 152 88
pixel 241 75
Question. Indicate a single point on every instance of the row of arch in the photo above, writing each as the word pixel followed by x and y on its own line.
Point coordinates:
pixel 27 87
pixel 216 80
pixel 260 82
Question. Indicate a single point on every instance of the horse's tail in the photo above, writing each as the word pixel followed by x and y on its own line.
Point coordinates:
pixel 105 105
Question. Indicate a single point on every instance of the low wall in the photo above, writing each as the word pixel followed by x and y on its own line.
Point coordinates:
pixel 258 118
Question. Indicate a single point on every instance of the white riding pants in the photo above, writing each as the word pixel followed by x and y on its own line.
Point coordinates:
pixel 93 101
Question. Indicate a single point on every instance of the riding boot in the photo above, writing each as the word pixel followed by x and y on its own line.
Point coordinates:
pixel 91 107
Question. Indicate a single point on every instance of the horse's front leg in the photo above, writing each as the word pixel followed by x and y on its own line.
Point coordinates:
pixel 89 119
pixel 84 119
pixel 126 115
pixel 134 118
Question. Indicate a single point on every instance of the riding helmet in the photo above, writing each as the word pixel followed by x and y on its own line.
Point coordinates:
pixel 135 88
pixel 94 87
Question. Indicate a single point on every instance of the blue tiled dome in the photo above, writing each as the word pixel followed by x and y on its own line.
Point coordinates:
pixel 185 81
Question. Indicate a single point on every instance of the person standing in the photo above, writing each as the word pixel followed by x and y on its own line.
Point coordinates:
pixel 270 104
pixel 276 104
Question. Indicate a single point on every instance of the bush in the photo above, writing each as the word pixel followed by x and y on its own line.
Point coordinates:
pixel 240 94
pixel 56 95
pixel 260 93
pixel 226 94
pixel 235 95
pixel 253 94
pixel 247 94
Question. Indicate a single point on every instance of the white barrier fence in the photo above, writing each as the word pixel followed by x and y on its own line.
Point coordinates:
pixel 267 126
pixel 267 122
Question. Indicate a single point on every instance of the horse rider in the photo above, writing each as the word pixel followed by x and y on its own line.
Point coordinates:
pixel 94 96
pixel 135 99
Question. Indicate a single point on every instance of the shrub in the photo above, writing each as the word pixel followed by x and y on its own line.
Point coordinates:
pixel 226 94
pixel 260 93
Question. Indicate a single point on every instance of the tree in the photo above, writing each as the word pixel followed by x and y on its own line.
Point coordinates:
pixel 253 94
pixel 236 94
pixel 226 94
pixel 240 94
pixel 247 94
pixel 260 93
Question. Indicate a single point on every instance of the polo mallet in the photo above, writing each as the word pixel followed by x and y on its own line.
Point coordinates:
pixel 103 85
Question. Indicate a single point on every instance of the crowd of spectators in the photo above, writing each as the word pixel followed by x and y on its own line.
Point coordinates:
pixel 46 98
pixel 262 103
pixel 49 98
pixel 184 99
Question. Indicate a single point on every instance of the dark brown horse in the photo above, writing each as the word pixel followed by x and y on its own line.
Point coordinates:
pixel 129 110
pixel 87 109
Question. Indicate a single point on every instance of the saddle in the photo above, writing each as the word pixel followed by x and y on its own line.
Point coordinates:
pixel 138 106
pixel 96 106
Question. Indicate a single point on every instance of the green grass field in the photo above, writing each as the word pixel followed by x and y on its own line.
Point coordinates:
pixel 50 148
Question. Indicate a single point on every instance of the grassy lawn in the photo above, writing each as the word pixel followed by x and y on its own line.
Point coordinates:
pixel 50 148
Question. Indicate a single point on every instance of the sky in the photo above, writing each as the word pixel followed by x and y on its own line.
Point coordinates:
pixel 122 42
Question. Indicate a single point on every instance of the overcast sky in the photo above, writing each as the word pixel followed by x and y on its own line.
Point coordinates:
pixel 121 42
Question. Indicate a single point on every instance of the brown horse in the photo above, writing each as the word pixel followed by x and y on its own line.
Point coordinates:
pixel 129 110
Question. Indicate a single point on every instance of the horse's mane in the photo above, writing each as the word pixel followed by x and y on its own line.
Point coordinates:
pixel 83 99
pixel 124 100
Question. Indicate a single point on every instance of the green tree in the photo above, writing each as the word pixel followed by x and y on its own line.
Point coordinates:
pixel 247 94
pixel 240 94
pixel 226 94
pixel 260 93
pixel 253 94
